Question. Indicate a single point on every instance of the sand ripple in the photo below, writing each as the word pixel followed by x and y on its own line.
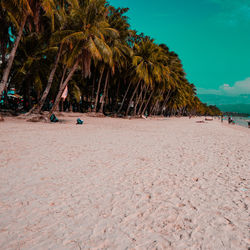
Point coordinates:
pixel 124 184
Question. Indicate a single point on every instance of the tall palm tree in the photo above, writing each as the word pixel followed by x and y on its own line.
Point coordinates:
pixel 88 28
pixel 148 64
pixel 121 51
pixel 120 54
pixel 32 62
pixel 56 39
pixel 19 11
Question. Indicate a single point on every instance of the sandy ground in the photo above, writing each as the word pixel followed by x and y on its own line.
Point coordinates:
pixel 124 184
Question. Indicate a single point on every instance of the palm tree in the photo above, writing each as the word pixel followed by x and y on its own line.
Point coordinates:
pixel 120 50
pixel 38 107
pixel 88 29
pixel 120 54
pixel 32 63
pixel 62 16
pixel 149 67
pixel 19 11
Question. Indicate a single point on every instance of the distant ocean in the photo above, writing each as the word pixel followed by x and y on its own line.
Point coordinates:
pixel 240 120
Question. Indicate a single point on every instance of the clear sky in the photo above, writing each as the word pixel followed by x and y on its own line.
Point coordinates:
pixel 212 38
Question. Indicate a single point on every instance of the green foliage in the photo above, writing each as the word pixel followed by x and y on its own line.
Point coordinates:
pixel 99 36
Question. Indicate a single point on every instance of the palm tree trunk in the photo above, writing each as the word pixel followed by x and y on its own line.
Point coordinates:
pixel 61 83
pixel 143 99
pixel 153 108
pixel 93 89
pixel 63 75
pixel 135 101
pixel 117 94
pixel 165 102
pixel 40 104
pixel 144 110
pixel 98 89
pixel 131 99
pixel 60 92
pixel 156 109
pixel 104 92
pixel 123 100
pixel 139 98
pixel 6 71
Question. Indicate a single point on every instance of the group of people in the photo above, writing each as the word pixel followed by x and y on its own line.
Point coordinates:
pixel 230 120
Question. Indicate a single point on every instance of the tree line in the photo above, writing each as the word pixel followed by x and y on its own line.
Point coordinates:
pixel 88 47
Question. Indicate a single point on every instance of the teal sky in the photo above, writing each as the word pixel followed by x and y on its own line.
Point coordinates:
pixel 212 38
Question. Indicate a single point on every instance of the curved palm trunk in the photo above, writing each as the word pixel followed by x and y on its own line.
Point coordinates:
pixel 143 99
pixel 104 92
pixel 64 73
pixel 132 97
pixel 11 57
pixel 144 110
pixel 156 105
pixel 138 100
pixel 123 100
pixel 156 109
pixel 165 102
pixel 135 101
pixel 59 95
pixel 41 102
pixel 61 83
pixel 153 107
pixel 98 89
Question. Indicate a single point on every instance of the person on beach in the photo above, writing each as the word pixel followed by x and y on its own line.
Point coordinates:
pixel 230 120
pixel 221 119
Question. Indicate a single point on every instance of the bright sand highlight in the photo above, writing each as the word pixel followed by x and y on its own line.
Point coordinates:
pixel 124 184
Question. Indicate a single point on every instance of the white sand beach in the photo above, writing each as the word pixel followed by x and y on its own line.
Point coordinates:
pixel 166 183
